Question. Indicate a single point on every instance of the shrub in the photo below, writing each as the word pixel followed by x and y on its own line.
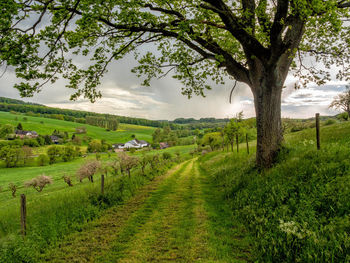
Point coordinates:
pixel 43 160
pixel 13 189
pixel 88 170
pixel 330 122
pixel 67 180
pixel 167 155
pixel 39 183
pixel 54 153
pixel 127 162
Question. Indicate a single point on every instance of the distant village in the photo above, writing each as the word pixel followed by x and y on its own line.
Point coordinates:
pixel 117 147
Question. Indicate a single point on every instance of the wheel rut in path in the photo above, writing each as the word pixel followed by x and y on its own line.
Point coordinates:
pixel 97 236
pixel 179 217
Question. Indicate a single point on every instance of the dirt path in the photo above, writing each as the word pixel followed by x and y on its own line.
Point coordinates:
pixel 167 221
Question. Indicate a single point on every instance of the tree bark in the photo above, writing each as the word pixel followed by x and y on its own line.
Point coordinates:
pixel 267 98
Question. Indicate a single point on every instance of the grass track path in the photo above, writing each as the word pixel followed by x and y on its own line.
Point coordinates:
pixel 167 221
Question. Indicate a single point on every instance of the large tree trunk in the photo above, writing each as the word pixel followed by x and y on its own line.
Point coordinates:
pixel 267 98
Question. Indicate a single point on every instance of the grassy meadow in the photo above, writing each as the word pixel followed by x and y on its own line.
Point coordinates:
pixel 45 126
pixel 297 211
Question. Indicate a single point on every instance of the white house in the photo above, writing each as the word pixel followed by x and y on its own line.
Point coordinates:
pixel 135 143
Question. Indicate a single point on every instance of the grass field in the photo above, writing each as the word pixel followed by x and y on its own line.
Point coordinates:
pixel 45 126
pixel 297 211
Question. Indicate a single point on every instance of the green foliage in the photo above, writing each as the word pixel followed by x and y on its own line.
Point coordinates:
pixel 213 139
pixel 166 156
pixel 298 210
pixel 12 156
pixel 95 146
pixel 6 130
pixel 43 160
pixel 122 135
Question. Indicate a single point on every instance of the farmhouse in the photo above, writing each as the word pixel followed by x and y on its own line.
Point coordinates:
pixel 135 143
pixel 55 139
pixel 163 145
pixel 118 146
pixel 29 134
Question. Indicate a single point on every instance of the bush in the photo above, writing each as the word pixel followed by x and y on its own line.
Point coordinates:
pixel 39 183
pixel 88 170
pixel 167 156
pixel 298 211
pixel 13 189
pixel 330 122
pixel 67 180
pixel 43 160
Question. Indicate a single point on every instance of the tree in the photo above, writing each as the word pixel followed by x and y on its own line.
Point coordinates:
pixel 13 189
pixel 39 183
pixel 43 160
pixel 12 156
pixel 27 153
pixel 342 101
pixel 67 180
pixel 54 153
pixel 253 42
pixel 95 146
pixel 88 169
pixel 6 130
pixel 231 130
pixel 144 161
pixel 127 162
pixel 19 126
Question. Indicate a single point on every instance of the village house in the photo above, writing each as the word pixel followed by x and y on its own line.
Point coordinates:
pixel 135 143
pixel 163 145
pixel 55 139
pixel 26 134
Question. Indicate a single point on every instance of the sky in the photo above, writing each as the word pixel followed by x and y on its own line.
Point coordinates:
pixel 122 94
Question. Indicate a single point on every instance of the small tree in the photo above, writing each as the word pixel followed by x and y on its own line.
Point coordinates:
pixel 13 189
pixel 342 101
pixel 127 162
pixel 39 183
pixel 95 146
pixel 167 156
pixel 27 153
pixel 54 152
pixel 231 129
pixel 88 170
pixel 13 157
pixel 67 180
pixel 155 162
pixel 43 160
pixel 19 126
pixel 6 130
pixel 144 161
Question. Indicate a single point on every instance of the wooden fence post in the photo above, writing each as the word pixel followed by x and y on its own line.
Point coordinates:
pixel 102 184
pixel 23 214
pixel 237 142
pixel 318 131
pixel 246 139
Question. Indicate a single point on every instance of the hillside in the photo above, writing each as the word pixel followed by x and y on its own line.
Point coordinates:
pixel 297 211
pixel 215 207
pixel 47 126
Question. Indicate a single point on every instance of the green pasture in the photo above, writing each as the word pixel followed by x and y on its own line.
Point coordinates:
pixel 45 126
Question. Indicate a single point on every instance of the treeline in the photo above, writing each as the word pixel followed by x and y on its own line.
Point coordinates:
pixel 74 115
pixel 37 110
pixel 201 120
pixel 103 122
pixel 14 101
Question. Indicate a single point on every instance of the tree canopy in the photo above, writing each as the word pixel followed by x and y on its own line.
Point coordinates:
pixel 256 42
pixel 194 39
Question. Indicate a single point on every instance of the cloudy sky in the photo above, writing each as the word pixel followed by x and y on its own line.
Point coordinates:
pixel 123 95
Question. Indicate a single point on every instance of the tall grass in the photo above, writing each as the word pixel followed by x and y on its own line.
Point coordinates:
pixel 55 215
pixel 298 211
